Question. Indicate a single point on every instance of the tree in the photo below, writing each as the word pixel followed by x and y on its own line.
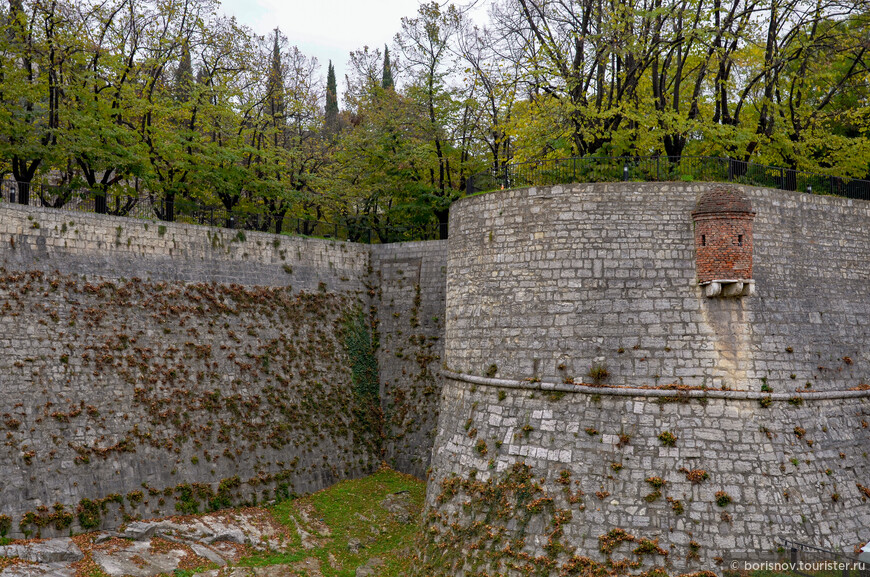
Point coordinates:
pixel 182 83
pixel 102 94
pixel 226 95
pixel 331 101
pixel 377 179
pixel 424 42
pixel 37 44
pixel 287 150
pixel 493 82
pixel 103 138
pixel 387 76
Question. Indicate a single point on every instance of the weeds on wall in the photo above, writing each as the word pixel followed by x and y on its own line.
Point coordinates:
pixel 196 361
pixel 493 534
pixel 598 373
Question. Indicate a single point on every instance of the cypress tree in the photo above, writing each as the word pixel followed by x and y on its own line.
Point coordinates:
pixel 331 101
pixel 276 84
pixel 183 80
pixel 387 81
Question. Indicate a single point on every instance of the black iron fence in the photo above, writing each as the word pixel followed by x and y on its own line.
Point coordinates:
pixel 365 229
pixel 811 561
pixel 370 229
pixel 663 168
pixel 78 199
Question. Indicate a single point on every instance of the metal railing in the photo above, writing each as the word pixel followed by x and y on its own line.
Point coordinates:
pixel 811 561
pixel 663 168
pixel 356 229
pixel 79 199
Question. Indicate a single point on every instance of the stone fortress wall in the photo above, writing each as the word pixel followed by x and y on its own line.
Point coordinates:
pixel 153 368
pixel 102 246
pixel 596 283
pixel 157 367
pixel 549 282
pixel 411 281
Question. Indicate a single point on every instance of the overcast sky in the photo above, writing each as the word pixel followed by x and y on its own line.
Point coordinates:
pixel 326 29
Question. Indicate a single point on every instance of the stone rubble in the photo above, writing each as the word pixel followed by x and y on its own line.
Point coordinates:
pixel 39 570
pixel 370 568
pixel 139 550
pixel 59 550
pixel 400 507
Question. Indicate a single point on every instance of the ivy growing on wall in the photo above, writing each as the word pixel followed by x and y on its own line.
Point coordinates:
pixel 361 348
pixel 361 345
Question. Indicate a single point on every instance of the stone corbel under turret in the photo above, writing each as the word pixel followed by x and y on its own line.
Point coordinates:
pixel 729 288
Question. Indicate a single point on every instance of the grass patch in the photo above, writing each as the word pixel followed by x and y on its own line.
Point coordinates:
pixel 352 511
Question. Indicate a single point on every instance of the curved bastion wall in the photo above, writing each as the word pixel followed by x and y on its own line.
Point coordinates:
pixel 717 426
pixel 548 282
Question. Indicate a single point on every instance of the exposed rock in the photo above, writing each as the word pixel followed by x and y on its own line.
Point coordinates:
pixel 40 570
pixel 307 539
pixel 370 568
pixel 137 561
pixel 333 562
pixel 354 545
pixel 229 535
pixel 140 550
pixel 140 530
pixel 309 517
pixel 103 537
pixel 227 572
pixel 273 571
pixel 51 551
pixel 399 506
pixel 309 567
pixel 237 527
pixel 208 553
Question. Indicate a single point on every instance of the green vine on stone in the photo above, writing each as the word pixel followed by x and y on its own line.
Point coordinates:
pixel 361 349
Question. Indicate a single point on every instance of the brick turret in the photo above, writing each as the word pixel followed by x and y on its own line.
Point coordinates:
pixel 723 242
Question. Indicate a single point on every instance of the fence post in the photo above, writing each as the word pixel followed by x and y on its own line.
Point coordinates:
pixel 100 205
pixel 794 555
pixel 658 175
pixel 625 173
pixel 23 192
pixel 781 179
